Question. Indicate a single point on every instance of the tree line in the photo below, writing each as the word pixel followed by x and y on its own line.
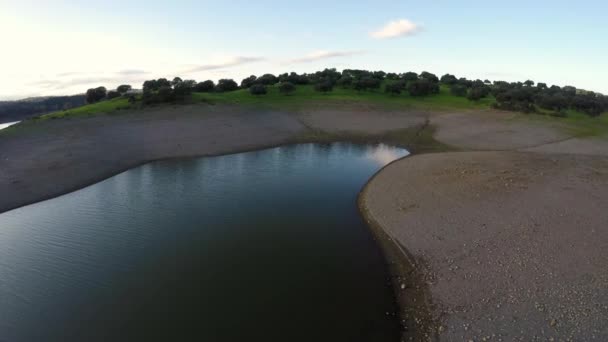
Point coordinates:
pixel 19 110
pixel 525 96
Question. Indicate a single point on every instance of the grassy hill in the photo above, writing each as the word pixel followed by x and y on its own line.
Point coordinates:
pixel 303 96
pixel 306 96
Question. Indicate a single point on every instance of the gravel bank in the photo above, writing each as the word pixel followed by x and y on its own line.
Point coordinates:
pixel 511 245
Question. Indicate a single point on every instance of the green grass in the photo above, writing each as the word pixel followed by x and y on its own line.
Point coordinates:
pixel 575 123
pixel 582 125
pixel 306 95
pixel 107 107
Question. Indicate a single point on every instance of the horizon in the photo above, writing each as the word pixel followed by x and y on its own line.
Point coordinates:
pixel 117 43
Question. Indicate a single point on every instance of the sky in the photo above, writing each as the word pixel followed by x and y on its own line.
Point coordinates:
pixel 56 47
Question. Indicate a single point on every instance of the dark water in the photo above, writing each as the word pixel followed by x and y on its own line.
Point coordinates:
pixel 257 246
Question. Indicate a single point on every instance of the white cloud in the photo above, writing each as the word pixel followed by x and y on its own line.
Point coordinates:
pixel 129 72
pixel 229 62
pixel 394 29
pixel 323 54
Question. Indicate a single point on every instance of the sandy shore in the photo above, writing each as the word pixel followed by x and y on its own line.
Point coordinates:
pixel 495 244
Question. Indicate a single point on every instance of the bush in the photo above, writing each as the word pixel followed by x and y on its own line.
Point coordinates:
pixel 112 94
pixel 410 76
pixel 227 85
pixel 122 89
pixel 393 88
pixel 96 94
pixel 165 94
pixel 430 77
pixel 324 86
pixel 287 88
pixel 449 79
pixel 258 89
pixel 267 79
pixel 248 82
pixel 155 85
pixel 367 83
pixel 476 93
pixel 204 87
pixel 422 87
pixel 182 89
pixel 345 81
pixel 459 90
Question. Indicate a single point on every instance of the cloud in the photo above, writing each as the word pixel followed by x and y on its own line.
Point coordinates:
pixel 131 72
pixel 58 84
pixel 398 28
pixel 230 62
pixel 322 54
pixel 69 73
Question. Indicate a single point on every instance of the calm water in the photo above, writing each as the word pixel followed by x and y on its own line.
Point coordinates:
pixel 257 246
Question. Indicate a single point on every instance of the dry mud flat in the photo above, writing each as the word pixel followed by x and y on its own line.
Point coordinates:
pixel 511 245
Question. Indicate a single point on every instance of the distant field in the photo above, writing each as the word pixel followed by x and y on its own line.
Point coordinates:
pixel 578 123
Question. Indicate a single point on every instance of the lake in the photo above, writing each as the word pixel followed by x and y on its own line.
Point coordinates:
pixel 257 246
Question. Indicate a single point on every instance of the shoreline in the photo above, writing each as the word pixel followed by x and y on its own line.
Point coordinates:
pixel 57 157
pixel 485 231
pixel 416 313
pixel 415 135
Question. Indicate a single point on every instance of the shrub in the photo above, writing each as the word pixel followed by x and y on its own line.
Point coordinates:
pixel 95 94
pixel 248 82
pixel 165 94
pixel 183 88
pixel 410 76
pixel 204 87
pixel 324 86
pixel 267 79
pixel 227 85
pixel 345 81
pixel 430 77
pixel 459 90
pixel 122 89
pixel 393 88
pixel 449 79
pixel 476 93
pixel 258 89
pixel 367 83
pixel 422 87
pixel 112 94
pixel 287 88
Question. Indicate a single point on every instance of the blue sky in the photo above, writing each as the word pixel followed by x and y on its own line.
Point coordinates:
pixel 64 47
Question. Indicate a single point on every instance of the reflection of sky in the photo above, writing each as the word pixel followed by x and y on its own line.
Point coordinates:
pixel 6 124
pixel 383 154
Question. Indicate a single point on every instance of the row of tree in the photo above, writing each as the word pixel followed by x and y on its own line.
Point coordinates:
pixel 360 80
pixel 518 96
pixel 94 95
pixel 22 109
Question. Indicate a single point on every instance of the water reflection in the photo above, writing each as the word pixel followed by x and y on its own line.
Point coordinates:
pixel 7 124
pixel 384 154
pixel 264 245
